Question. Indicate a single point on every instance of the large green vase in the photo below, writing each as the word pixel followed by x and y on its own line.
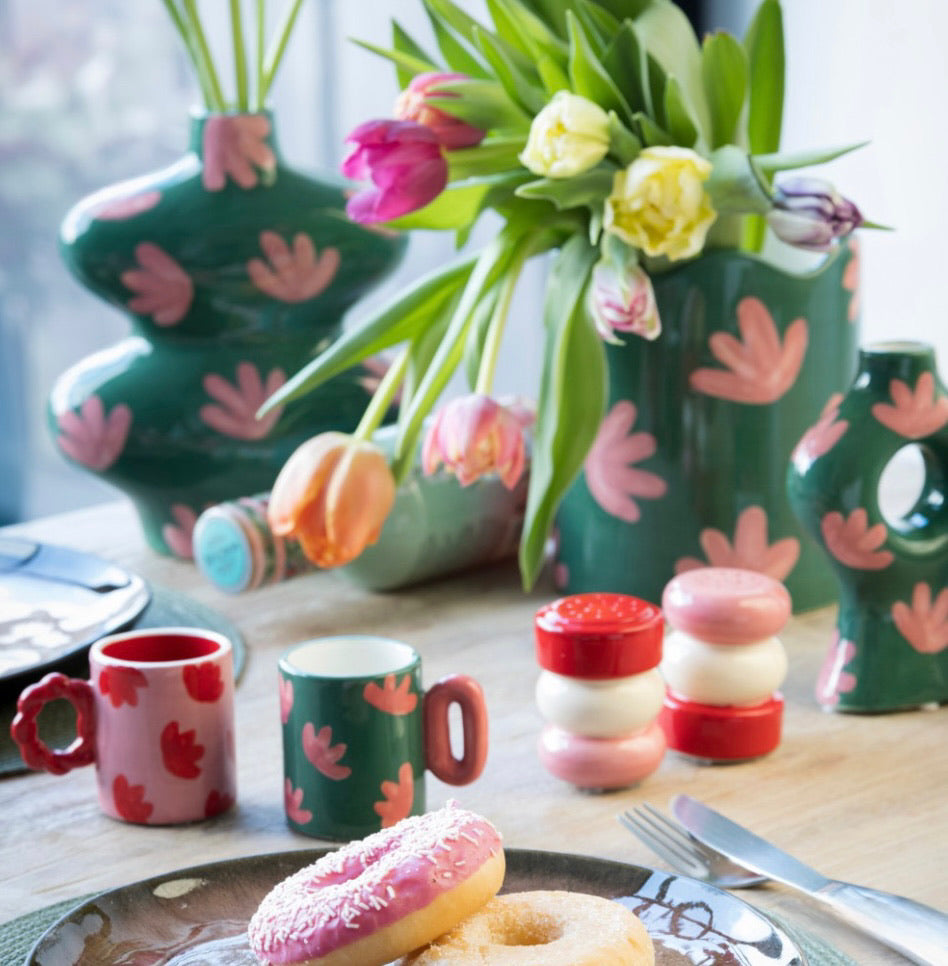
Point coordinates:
pixel 234 271
pixel 689 465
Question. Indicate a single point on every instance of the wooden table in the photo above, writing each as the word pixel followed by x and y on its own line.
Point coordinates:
pixel 862 798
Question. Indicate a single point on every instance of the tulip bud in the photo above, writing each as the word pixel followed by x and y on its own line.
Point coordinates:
pixel 623 301
pixel 810 213
pixel 569 136
pixel 403 161
pixel 415 103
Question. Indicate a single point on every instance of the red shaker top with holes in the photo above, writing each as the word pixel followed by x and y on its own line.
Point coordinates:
pixel 598 635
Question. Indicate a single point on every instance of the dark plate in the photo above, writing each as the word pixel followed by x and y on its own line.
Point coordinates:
pixel 199 915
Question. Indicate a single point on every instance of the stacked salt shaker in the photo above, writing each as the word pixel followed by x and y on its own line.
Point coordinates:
pixel 723 664
pixel 599 690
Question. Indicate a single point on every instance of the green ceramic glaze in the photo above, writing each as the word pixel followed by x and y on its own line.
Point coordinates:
pixel 234 270
pixel 689 465
pixel 891 646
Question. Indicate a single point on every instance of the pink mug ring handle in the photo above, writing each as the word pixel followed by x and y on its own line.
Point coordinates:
pixel 35 753
pixel 467 694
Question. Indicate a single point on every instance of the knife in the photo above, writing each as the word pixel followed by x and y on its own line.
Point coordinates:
pixel 916 931
pixel 60 564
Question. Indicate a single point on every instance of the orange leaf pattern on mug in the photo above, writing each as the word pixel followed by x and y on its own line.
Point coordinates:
pixel 398 797
pixel 292 275
pixel 820 438
pixel 925 624
pixel 164 290
pixel 750 550
pixel 286 698
pixel 91 437
pixel 913 413
pixel 322 754
pixel 389 698
pixel 180 752
pixel 130 800
pixel 178 534
pixel 235 147
pixel 758 367
pixel 853 542
pixel 120 685
pixel 235 412
pixel 293 804
pixel 204 682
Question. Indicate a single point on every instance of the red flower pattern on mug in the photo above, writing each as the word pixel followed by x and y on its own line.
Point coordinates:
pixel 833 679
pixel 611 474
pixel 323 754
pixel 217 802
pixel 178 535
pixel 751 549
pixel 286 698
pixel 758 367
pixel 164 289
pixel 820 438
pixel 91 437
pixel 851 279
pixel 130 800
pixel 389 698
pixel 293 804
pixel 924 624
pixel 913 413
pixel 121 209
pixel 853 542
pixel 398 797
pixel 234 414
pixel 292 275
pixel 235 147
pixel 203 682
pixel 120 685
pixel 180 752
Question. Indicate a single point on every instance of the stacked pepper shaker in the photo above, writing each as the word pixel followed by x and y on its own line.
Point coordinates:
pixel 723 664
pixel 599 690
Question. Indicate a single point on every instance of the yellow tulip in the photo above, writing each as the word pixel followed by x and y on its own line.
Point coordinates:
pixel 569 136
pixel 333 495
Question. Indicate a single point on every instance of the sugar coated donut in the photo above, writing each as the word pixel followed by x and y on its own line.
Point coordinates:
pixel 379 898
pixel 543 929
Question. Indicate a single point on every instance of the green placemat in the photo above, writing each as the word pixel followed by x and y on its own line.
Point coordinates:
pixel 18 936
pixel 167 608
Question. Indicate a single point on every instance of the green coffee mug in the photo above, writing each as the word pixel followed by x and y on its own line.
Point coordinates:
pixel 359 732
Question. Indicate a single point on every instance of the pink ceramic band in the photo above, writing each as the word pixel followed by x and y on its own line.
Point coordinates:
pixel 467 694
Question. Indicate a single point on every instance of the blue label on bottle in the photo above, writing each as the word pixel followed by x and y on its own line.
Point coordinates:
pixel 222 554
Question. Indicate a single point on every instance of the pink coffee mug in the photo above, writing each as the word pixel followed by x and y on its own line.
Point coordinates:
pixel 157 718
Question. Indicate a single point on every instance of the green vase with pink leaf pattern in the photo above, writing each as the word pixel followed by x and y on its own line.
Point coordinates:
pixel 234 270
pixel 689 465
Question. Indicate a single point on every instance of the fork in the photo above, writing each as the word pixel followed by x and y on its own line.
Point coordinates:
pixel 683 852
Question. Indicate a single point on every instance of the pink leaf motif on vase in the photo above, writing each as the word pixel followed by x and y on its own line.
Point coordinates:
pixel 121 209
pixel 398 797
pixel 91 437
pixel 560 576
pixel 234 413
pixel 851 279
pixel 750 549
pixel 611 475
pixel 292 275
pixel 853 542
pixel 758 367
pixel 322 754
pixel 286 699
pixel 925 624
pixel 293 804
pixel 389 698
pixel 375 368
pixel 164 290
pixel 235 146
pixel 913 414
pixel 820 438
pixel 833 679
pixel 177 535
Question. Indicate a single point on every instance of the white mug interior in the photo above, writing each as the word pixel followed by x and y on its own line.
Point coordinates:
pixel 350 656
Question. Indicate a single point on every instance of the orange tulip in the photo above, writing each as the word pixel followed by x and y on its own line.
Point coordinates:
pixel 333 495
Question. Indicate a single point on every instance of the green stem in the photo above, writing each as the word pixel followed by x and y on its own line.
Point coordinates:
pixel 175 14
pixel 275 56
pixel 261 40
pixel 240 56
pixel 485 372
pixel 216 100
pixel 382 397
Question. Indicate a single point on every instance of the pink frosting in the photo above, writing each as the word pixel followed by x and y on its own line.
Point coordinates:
pixel 370 884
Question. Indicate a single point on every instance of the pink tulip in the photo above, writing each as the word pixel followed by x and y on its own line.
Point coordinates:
pixel 474 436
pixel 416 103
pixel 623 302
pixel 405 164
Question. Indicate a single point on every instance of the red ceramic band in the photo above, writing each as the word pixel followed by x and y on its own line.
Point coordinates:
pixel 724 605
pixel 35 753
pixel 467 694
pixel 721 733
pixel 598 636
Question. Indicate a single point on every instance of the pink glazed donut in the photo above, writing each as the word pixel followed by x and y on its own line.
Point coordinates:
pixel 384 896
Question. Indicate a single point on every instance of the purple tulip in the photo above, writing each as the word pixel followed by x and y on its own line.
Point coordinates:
pixel 811 213
pixel 405 164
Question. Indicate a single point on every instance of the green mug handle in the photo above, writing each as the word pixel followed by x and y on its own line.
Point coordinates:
pixel 469 696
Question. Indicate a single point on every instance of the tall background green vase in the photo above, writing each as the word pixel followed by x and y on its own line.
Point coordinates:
pixel 234 270
pixel 689 465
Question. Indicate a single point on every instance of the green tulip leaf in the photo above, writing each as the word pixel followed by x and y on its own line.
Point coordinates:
pixel 477 334
pixel 589 77
pixel 553 76
pixel 452 17
pixel 623 62
pixel 552 12
pixel 495 156
pixel 456 53
pixel 480 103
pixel 589 188
pixel 766 63
pixel 522 28
pixel 408 64
pixel 651 133
pixel 403 43
pixel 680 124
pixel 521 83
pixel 458 205
pixel 601 26
pixel 724 68
pixel 624 146
pixel 737 185
pixel 787 161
